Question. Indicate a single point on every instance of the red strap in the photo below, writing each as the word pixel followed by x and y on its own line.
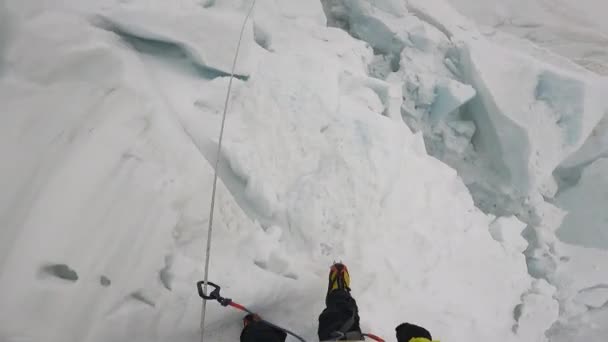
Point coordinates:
pixel 237 306
pixel 374 337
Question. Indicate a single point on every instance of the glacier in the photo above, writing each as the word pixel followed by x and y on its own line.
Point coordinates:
pixel 392 135
pixel 576 32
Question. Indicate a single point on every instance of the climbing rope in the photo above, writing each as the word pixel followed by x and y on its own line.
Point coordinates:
pixel 215 176
pixel 215 295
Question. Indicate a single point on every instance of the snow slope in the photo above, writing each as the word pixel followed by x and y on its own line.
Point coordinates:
pixel 109 126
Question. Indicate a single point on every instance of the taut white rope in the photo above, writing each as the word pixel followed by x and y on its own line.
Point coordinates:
pixel 215 176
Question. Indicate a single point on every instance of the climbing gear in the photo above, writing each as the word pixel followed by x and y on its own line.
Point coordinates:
pixel 421 339
pixel 215 295
pixel 250 318
pixel 338 278
pixel 215 174
pixel 343 333
pixel 356 336
pixel 374 337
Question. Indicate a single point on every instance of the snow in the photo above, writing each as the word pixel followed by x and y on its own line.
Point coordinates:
pixel 575 30
pixel 508 231
pixel 539 309
pixel 581 279
pixel 110 118
pixel 200 36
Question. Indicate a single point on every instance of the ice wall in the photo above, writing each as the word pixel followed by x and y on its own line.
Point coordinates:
pixel 528 115
pixel 505 113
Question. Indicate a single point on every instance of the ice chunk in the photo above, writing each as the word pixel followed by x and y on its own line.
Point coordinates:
pixel 450 95
pixel 530 116
pixel 549 187
pixel 508 231
pixel 538 311
pixel 381 24
pixel 464 128
pixel 596 146
pixel 586 205
pixel 582 281
pixel 456 135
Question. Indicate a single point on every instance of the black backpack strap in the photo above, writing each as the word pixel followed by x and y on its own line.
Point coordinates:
pixel 344 334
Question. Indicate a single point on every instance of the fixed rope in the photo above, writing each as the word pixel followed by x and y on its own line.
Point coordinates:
pixel 215 176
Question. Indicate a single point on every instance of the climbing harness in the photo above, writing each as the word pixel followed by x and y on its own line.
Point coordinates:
pixel 344 334
pixel 215 295
pixel 356 337
pixel 215 175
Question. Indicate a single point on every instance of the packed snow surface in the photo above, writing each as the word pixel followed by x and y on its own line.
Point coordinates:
pixel 110 118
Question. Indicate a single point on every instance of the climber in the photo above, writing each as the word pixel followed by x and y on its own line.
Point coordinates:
pixel 339 321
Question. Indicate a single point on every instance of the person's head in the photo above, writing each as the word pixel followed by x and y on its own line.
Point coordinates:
pixel 406 332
